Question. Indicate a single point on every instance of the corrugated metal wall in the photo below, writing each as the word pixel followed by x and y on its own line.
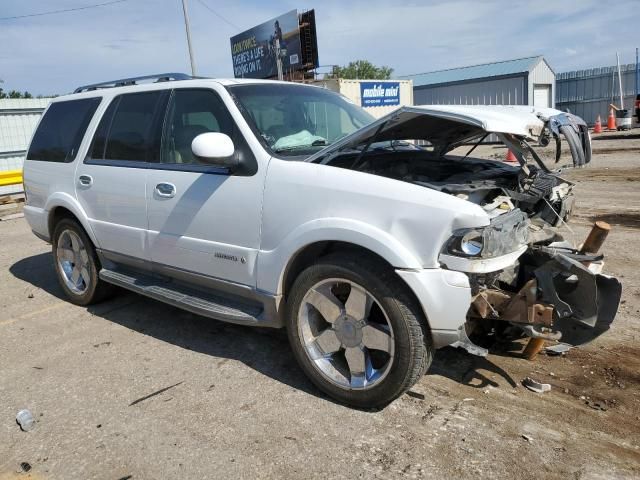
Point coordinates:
pixel 18 120
pixel 541 74
pixel 588 93
pixel 503 91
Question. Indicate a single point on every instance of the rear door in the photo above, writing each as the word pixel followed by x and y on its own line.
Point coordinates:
pixel 111 182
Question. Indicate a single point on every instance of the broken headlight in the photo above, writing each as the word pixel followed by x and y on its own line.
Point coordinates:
pixel 505 234
pixel 472 242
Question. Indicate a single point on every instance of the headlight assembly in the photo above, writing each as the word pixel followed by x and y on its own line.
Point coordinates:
pixel 505 234
pixel 471 243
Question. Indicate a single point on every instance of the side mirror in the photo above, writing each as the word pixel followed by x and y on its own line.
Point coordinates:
pixel 215 148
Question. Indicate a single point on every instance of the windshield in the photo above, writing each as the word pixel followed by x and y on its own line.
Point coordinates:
pixel 295 120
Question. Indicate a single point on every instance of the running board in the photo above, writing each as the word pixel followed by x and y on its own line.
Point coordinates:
pixel 194 301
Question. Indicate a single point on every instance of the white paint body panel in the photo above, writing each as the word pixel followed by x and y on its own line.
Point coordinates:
pixel 116 207
pixel 444 304
pixel 209 214
pixel 513 119
pixel 307 202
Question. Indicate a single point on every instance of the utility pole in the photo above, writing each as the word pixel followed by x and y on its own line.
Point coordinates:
pixel 637 74
pixel 620 81
pixel 186 26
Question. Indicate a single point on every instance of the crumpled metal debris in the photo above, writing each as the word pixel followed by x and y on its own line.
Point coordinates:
pixel 558 349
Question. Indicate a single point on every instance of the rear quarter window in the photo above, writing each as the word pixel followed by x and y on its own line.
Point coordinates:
pixel 61 130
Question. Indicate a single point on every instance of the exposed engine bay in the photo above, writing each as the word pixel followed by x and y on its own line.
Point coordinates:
pixel 496 186
pixel 547 288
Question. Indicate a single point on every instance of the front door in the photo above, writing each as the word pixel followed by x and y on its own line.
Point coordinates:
pixel 111 182
pixel 201 219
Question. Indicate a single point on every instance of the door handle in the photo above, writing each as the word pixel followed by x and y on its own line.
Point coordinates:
pixel 85 180
pixel 166 190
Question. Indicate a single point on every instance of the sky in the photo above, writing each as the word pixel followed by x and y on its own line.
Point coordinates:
pixel 53 54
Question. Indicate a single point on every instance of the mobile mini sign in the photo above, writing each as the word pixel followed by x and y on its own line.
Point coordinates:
pixel 379 94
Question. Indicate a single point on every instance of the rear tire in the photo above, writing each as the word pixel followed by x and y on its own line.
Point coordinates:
pixel 77 264
pixel 388 336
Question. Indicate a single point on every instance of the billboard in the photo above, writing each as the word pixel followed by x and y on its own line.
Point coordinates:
pixel 309 40
pixel 379 94
pixel 254 52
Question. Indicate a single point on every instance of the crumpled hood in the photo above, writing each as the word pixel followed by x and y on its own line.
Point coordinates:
pixel 516 120
pixel 447 126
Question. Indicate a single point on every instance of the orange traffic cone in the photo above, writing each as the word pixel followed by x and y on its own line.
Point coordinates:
pixel 598 126
pixel 611 121
pixel 510 157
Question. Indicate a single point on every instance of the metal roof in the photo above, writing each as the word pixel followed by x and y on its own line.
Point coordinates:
pixel 496 69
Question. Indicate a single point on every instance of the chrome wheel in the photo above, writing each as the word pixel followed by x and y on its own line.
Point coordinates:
pixel 346 334
pixel 73 262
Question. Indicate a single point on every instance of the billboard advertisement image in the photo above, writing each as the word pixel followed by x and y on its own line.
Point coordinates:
pixel 254 52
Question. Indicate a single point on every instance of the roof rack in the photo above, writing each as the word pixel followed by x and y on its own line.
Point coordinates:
pixel 158 77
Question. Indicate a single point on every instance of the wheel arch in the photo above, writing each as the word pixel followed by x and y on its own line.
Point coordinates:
pixel 310 240
pixel 62 205
pixel 309 254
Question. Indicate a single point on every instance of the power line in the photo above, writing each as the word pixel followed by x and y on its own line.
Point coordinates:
pixel 218 15
pixel 52 12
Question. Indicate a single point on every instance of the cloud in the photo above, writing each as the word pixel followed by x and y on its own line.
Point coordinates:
pixel 54 54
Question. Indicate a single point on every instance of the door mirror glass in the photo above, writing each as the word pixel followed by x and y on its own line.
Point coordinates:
pixel 214 148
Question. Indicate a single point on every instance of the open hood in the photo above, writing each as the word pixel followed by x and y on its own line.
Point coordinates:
pixel 448 126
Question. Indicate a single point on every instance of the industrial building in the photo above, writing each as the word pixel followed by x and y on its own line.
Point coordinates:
pixel 588 93
pixel 18 120
pixel 523 81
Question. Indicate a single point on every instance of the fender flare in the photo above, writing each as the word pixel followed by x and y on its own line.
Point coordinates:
pixel 64 200
pixel 273 264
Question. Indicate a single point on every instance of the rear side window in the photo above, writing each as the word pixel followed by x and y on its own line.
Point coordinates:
pixel 60 132
pixel 129 129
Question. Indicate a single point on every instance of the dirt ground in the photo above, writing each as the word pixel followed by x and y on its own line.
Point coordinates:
pixel 235 405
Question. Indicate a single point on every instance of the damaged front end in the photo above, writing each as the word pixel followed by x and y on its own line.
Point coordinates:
pixel 521 272
pixel 552 292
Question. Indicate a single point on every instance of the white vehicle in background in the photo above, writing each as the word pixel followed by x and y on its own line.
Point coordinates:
pixel 284 205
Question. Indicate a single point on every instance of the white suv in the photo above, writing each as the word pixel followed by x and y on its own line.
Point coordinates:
pixel 284 205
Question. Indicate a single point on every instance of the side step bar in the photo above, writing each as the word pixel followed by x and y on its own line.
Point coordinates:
pixel 194 301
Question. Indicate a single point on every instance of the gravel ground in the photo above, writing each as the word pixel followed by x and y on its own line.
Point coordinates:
pixel 233 403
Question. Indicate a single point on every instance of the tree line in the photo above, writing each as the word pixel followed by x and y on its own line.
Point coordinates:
pixel 16 94
pixel 361 69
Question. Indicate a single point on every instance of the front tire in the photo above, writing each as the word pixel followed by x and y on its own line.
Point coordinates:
pixel 356 330
pixel 77 264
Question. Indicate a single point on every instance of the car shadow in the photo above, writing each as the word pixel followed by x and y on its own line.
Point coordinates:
pixel 265 350
pixel 462 367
